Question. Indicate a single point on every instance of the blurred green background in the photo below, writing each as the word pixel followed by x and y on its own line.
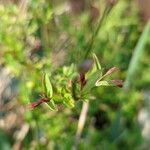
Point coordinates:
pixel 48 35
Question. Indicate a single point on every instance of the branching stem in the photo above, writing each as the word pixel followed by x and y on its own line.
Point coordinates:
pixel 85 105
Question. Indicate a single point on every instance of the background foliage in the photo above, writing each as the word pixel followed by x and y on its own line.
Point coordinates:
pixel 51 36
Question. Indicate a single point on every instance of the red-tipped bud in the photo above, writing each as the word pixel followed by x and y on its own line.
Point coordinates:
pixel 82 80
pixel 117 82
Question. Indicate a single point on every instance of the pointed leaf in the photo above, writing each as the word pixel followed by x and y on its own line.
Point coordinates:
pixel 47 86
pixel 109 72
pixel 68 102
pixel 96 62
pixel 95 67
pixel 102 83
pixel 91 81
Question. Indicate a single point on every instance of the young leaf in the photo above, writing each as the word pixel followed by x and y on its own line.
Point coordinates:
pixel 102 83
pixel 115 82
pixel 68 102
pixel 95 67
pixel 96 62
pixel 91 81
pixel 47 86
pixel 51 105
pixel 109 72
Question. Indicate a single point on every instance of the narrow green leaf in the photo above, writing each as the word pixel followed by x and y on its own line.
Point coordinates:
pixel 96 66
pixel 47 86
pixel 102 83
pixel 109 72
pixel 68 102
pixel 91 81
pixel 137 54
pixel 51 105
pixel 96 62
pixel 115 82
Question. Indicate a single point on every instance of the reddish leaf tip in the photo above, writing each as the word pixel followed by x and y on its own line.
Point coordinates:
pixel 117 82
pixel 111 70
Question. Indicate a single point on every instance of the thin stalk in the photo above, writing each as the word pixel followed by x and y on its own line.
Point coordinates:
pixel 82 119
pixel 81 124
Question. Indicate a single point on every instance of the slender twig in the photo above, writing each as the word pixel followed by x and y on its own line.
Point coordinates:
pixel 81 123
pixel 82 119
pixel 94 35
